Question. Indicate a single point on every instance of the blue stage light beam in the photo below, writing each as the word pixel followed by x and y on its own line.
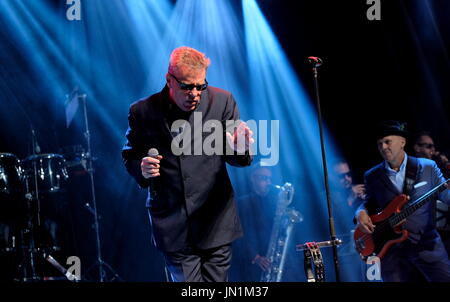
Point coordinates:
pixel 429 42
pixel 277 93
pixel 29 36
pixel 39 38
pixel 96 54
pixel 213 28
pixel 151 24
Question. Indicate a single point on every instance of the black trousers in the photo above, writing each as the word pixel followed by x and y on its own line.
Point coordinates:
pixel 403 260
pixel 194 265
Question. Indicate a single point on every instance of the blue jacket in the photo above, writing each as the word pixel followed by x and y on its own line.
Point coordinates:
pixel 381 191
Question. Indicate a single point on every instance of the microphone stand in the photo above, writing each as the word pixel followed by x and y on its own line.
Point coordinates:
pixel 315 63
pixel 101 264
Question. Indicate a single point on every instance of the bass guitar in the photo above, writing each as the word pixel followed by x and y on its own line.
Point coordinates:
pixel 389 224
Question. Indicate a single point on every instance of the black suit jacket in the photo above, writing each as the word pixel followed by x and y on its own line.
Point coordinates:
pixel 194 204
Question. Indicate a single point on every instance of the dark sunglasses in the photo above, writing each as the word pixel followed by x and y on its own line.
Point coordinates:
pixel 185 86
pixel 425 145
pixel 263 178
pixel 343 175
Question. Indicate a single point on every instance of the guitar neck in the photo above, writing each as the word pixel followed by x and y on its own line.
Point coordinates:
pixel 417 204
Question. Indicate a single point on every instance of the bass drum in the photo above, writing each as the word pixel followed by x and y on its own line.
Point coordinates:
pixel 51 172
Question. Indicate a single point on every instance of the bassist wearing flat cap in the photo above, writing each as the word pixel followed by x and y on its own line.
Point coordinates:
pixel 396 222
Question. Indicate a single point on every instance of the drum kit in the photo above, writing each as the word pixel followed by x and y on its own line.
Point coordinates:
pixel 28 191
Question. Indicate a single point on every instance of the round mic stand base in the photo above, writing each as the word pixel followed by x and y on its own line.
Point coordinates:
pixel 101 265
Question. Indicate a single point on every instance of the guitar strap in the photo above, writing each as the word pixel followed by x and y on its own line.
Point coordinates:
pixel 410 179
pixel 410 175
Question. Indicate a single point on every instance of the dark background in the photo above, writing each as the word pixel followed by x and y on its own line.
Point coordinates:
pixel 396 68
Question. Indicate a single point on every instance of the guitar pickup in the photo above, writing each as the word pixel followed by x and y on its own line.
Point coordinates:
pixel 360 244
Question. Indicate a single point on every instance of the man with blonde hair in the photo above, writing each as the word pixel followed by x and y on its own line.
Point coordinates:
pixel 190 202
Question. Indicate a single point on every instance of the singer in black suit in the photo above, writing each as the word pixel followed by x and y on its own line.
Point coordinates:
pixel 191 201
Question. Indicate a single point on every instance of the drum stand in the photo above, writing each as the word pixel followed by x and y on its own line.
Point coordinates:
pixel 29 248
pixel 100 263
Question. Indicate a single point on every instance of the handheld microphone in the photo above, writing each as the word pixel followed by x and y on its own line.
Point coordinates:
pixel 153 152
pixel 315 61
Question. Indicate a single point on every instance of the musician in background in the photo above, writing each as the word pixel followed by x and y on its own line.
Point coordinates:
pixel 424 147
pixel 346 197
pixel 257 212
pixel 400 173
pixel 344 189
